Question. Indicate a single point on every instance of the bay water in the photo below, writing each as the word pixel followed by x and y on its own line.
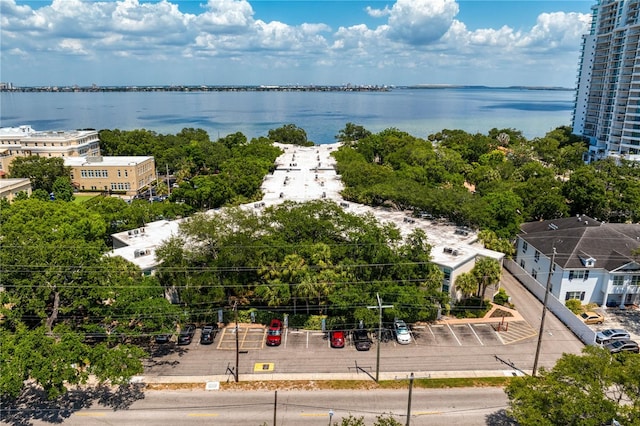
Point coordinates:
pixel 322 115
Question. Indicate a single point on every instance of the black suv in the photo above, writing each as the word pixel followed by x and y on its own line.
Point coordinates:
pixel 186 334
pixel 361 340
pixel 208 334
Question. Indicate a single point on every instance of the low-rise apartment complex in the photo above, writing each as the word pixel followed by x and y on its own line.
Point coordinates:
pixel 81 152
pixel 118 175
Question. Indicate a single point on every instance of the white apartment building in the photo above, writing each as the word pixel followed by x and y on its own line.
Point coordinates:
pixel 607 104
pixel 594 262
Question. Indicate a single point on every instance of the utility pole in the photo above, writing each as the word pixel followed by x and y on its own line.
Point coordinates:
pixel 544 311
pixel 235 310
pixel 409 403
pixel 275 408
pixel 379 307
pixel 168 181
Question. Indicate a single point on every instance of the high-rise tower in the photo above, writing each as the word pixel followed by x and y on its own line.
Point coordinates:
pixel 607 105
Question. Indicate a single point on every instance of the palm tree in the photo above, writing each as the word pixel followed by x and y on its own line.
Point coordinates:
pixel 487 272
pixel 466 284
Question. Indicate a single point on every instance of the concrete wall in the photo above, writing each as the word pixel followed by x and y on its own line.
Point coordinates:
pixel 575 324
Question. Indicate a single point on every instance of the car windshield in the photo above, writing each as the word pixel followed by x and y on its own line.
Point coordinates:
pixel 616 344
pixel 274 332
pixel 607 333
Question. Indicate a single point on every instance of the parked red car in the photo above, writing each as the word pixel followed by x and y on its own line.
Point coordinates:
pixel 337 339
pixel 274 333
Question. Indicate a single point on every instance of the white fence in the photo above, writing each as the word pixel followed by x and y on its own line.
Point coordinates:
pixel 575 324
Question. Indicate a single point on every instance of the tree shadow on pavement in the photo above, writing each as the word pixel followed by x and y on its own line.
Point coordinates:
pixel 33 403
pixel 500 418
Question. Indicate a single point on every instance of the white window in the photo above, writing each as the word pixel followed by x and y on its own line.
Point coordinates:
pixel 525 246
pixel 618 280
pixel 536 256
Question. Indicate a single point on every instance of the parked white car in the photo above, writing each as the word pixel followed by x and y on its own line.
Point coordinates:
pixel 402 332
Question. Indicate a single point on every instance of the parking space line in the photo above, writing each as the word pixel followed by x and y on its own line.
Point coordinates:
pixel 307 340
pixel 244 337
pixel 431 331
pixel 474 333
pixel 286 336
pixel 454 335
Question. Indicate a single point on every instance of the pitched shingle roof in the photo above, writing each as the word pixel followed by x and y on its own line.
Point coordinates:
pixel 578 238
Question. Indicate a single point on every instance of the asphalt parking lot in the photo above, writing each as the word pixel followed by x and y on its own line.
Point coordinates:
pixel 627 319
pixel 253 337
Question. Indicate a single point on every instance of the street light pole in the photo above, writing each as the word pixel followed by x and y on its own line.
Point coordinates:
pixel 544 312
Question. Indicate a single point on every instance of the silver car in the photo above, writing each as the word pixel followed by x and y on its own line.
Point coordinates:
pixel 606 336
pixel 616 346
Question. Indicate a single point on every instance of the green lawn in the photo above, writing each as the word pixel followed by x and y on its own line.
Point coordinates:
pixel 83 198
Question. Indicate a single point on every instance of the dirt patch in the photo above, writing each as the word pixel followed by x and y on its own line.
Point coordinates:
pixel 499 313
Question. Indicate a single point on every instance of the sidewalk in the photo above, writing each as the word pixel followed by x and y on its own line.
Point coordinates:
pixel 264 377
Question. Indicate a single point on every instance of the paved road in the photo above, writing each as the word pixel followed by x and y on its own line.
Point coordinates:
pixel 467 406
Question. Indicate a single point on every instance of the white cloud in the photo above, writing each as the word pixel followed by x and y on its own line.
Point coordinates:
pixel 417 37
pixel 556 30
pixel 73 47
pixel 378 13
pixel 226 15
pixel 417 22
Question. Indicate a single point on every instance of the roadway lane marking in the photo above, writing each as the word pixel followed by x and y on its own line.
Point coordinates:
pixel 81 414
pixel 314 414
pixel 454 335
pixel 474 333
pixel 423 413
pixel 202 415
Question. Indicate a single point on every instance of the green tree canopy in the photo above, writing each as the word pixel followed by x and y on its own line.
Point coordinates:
pixel 41 171
pixel 290 134
pixel 594 388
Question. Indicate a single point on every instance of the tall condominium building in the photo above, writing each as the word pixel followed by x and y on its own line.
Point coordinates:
pixel 607 105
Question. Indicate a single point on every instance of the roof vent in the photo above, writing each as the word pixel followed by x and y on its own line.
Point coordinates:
pixel 553 226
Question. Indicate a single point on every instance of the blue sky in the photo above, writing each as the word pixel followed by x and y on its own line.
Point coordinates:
pixel 217 42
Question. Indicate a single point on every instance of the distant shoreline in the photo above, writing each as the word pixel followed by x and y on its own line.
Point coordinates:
pixel 274 88
pixel 457 86
pixel 202 88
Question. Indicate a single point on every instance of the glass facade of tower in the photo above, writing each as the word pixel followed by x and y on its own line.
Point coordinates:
pixel 607 106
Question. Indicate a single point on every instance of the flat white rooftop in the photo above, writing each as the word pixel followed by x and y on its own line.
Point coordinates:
pixel 308 173
pixel 105 161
